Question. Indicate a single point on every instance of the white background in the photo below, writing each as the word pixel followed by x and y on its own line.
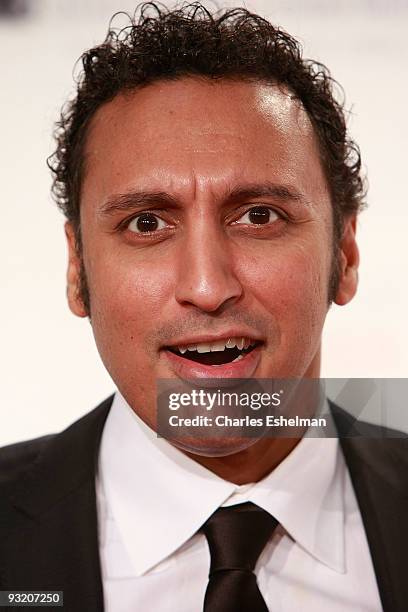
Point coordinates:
pixel 50 369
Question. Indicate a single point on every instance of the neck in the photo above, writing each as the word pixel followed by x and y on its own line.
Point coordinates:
pixel 251 464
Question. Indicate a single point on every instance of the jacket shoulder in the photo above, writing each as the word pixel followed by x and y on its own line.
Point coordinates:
pixel 18 459
pixel 15 459
pixel 348 426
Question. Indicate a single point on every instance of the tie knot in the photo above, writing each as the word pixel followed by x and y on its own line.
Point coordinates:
pixel 237 535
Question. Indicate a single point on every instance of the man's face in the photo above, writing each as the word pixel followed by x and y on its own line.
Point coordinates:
pixel 205 220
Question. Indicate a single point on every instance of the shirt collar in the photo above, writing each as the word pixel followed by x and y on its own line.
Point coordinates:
pixel 305 493
pixel 159 497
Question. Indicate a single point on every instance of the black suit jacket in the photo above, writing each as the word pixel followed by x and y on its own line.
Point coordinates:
pixel 48 519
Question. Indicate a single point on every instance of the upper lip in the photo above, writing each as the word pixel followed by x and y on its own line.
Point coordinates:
pixel 197 339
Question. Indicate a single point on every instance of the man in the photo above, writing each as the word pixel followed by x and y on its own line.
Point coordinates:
pixel 211 195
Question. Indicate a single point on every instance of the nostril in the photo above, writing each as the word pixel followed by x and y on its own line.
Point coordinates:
pixel 205 286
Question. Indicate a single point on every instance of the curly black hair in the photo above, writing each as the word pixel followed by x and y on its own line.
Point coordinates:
pixel 162 43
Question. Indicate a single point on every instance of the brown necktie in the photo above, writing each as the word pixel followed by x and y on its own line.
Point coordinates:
pixel 236 537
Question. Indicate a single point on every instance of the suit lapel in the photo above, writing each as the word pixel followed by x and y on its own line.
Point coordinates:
pixel 54 532
pixel 379 471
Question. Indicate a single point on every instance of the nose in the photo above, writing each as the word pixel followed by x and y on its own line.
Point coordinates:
pixel 206 278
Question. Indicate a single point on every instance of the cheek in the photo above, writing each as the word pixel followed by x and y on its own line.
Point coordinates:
pixel 127 298
pixel 288 276
pixel 291 285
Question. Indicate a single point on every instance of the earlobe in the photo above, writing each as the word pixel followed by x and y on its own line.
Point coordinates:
pixel 348 264
pixel 75 301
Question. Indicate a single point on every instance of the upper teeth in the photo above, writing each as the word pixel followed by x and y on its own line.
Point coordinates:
pixel 218 345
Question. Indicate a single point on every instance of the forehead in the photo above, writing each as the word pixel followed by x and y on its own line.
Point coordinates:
pixel 210 133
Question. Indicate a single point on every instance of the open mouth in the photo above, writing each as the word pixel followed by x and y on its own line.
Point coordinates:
pixel 216 353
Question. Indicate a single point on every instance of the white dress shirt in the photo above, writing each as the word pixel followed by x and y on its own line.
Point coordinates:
pixel 152 499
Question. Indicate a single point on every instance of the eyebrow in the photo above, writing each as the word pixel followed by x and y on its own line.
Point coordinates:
pixel 274 190
pixel 138 199
pixel 133 200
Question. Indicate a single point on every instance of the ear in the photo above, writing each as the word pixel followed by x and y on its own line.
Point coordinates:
pixel 349 260
pixel 75 302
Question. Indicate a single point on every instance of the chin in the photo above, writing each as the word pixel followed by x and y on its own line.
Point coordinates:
pixel 221 447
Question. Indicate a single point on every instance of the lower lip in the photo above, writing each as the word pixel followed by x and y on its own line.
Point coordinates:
pixel 188 370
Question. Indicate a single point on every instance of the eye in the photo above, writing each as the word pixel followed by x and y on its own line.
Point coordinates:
pixel 145 223
pixel 258 215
